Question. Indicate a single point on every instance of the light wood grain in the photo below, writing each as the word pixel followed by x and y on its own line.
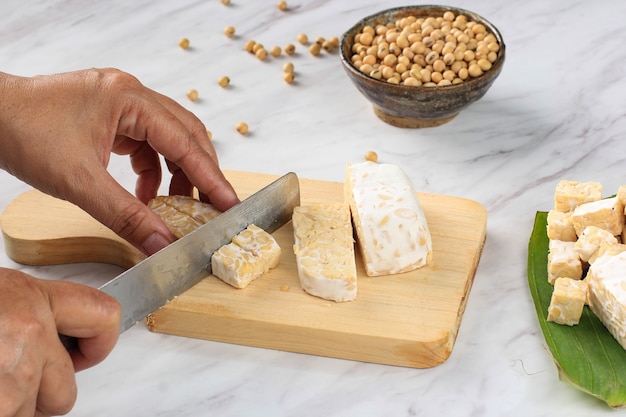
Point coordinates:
pixel 42 230
pixel 409 319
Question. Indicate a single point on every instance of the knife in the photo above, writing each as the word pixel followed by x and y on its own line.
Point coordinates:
pixel 158 279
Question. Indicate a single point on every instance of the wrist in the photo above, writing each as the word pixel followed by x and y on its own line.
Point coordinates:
pixel 13 91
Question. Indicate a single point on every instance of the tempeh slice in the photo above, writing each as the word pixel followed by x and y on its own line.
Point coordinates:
pixel 391 227
pixel 324 249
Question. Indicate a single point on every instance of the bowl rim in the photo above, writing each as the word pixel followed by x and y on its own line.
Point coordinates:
pixel 496 67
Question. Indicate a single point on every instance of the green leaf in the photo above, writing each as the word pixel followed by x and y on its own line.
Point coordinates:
pixel 586 355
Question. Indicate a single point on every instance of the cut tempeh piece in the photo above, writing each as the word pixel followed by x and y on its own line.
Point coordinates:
pixel 590 240
pixel 252 253
pixel 567 301
pixel 563 261
pixel 609 249
pixel 236 266
pixel 607 214
pixel 324 249
pixel 570 194
pixel 560 226
pixel 260 243
pixel 391 228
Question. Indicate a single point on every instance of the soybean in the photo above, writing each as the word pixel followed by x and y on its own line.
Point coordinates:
pixel 276 51
pixel 289 77
pixel 249 46
pixel 183 43
pixel 223 81
pixel 371 156
pixel 303 39
pixel 315 49
pixel 290 49
pixel 261 54
pixel 242 127
pixel 288 67
pixel 229 31
pixel 193 95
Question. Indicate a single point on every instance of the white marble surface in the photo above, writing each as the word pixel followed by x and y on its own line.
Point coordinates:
pixel 557 111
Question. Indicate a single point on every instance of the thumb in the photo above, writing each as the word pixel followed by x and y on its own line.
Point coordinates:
pixel 87 314
pixel 119 210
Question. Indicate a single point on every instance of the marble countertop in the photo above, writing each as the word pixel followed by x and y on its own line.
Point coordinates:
pixel 557 111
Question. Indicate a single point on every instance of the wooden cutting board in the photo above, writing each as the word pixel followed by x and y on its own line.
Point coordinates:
pixel 409 319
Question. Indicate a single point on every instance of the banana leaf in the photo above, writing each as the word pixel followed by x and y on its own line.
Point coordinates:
pixel 586 355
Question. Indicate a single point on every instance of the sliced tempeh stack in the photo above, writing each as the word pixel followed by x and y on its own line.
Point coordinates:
pixel 324 249
pixel 390 224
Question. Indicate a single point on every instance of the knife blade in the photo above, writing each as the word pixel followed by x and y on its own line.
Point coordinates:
pixel 163 276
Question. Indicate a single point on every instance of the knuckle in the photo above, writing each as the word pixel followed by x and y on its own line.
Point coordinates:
pixel 111 311
pixel 112 78
pixel 62 404
pixel 128 222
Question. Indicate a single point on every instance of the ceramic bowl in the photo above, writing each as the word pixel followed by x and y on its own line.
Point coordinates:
pixel 418 106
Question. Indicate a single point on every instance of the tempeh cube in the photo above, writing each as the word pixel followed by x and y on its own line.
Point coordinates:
pixel 252 253
pixel 236 266
pixel 607 214
pixel 589 241
pixel 563 261
pixel 570 194
pixel 560 226
pixel 567 302
pixel 621 194
pixel 609 249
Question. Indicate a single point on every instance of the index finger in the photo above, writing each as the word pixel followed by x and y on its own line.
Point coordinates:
pixel 180 137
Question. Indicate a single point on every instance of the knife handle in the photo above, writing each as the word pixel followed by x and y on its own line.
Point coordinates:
pixel 69 342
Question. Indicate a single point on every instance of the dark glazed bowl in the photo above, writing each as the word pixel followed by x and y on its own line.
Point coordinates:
pixel 417 107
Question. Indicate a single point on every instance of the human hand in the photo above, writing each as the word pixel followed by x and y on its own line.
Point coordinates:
pixel 36 372
pixel 57 133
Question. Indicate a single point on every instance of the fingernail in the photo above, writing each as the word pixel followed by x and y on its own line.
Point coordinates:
pixel 154 243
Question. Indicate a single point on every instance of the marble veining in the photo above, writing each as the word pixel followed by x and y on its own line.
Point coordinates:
pixel 556 111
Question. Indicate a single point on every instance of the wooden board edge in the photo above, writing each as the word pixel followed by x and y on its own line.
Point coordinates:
pixel 470 280
pixel 303 340
pixel 63 251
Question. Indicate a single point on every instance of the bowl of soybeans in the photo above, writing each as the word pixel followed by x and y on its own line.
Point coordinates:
pixel 420 66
